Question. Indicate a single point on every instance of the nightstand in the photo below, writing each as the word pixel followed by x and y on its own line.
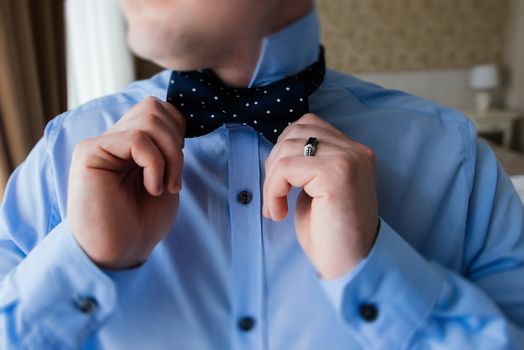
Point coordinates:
pixel 495 121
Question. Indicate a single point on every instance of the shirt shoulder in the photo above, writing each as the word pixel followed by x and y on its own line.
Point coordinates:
pixel 375 96
pixel 96 116
pixel 66 131
pixel 397 124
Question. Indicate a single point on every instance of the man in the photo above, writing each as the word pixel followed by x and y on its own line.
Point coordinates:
pixel 376 221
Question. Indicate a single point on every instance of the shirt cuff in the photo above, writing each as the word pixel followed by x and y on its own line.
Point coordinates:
pixel 61 288
pixel 387 297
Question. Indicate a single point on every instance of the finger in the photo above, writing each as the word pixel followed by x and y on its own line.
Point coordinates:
pixel 295 147
pixel 283 149
pixel 150 105
pixel 323 136
pixel 313 120
pixel 295 171
pixel 176 117
pixel 305 131
pixel 169 144
pixel 110 149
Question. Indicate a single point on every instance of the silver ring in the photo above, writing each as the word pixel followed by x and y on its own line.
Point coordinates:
pixel 311 147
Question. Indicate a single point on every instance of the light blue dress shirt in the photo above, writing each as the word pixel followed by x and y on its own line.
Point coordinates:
pixel 446 271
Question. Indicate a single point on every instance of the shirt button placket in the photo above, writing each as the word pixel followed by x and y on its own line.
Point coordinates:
pixel 246 239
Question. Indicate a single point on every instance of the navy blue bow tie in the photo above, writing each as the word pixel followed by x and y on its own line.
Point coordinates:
pixel 207 103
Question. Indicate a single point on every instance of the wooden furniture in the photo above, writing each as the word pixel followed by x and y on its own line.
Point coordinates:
pixel 495 121
pixel 512 162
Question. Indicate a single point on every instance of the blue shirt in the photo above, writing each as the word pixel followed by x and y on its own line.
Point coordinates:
pixel 446 270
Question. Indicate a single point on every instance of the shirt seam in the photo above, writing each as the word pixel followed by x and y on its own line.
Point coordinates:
pixel 426 113
pixel 51 138
pixel 102 103
pixel 470 183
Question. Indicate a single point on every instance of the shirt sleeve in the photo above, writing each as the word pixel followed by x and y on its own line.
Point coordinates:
pixel 396 298
pixel 51 294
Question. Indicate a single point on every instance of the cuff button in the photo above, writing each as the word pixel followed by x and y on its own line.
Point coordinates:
pixel 368 312
pixel 86 305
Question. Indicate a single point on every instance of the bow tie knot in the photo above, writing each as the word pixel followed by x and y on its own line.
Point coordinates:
pixel 207 103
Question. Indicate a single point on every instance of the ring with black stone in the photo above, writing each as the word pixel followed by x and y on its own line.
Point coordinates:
pixel 311 147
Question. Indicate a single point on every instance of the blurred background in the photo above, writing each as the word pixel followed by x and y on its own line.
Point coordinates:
pixel 467 54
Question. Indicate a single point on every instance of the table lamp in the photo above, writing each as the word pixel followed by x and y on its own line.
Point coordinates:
pixel 484 79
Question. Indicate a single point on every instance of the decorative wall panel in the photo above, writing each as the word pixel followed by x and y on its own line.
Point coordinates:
pixel 394 35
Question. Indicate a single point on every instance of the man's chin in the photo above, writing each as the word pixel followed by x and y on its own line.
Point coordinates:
pixel 157 54
pixel 177 64
pixel 171 61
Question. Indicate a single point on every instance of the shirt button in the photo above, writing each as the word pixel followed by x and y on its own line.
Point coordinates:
pixel 87 305
pixel 245 197
pixel 368 312
pixel 246 323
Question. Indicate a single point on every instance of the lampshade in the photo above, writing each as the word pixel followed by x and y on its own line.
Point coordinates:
pixel 484 77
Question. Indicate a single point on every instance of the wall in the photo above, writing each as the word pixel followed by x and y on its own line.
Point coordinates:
pixel 398 35
pixel 445 86
pixel 514 58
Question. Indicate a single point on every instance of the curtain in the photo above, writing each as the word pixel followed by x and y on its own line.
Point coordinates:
pixel 99 61
pixel 32 75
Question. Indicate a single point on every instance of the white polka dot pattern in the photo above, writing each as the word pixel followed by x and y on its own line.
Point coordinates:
pixel 209 103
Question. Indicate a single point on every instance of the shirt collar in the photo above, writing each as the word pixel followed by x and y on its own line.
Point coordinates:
pixel 288 51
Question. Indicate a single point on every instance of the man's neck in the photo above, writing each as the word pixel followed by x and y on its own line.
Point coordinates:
pixel 238 72
pixel 239 66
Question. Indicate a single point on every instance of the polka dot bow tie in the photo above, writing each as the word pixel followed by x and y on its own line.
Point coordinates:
pixel 207 103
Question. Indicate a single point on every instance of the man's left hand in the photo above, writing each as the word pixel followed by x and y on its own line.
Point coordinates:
pixel 336 214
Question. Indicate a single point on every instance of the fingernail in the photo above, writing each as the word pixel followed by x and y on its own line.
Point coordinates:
pixel 159 190
pixel 178 185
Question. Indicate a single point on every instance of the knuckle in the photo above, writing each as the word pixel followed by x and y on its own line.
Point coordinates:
pixel 83 145
pixel 181 126
pixel 368 151
pixel 342 165
pixel 372 156
pixel 82 149
pixel 181 156
pixel 153 104
pixel 309 118
pixel 157 162
pixel 283 163
pixel 177 162
pixel 368 154
pixel 137 136
pixel 289 143
pixel 151 101
pixel 182 122
pixel 292 147
pixel 174 153
pixel 150 120
pixel 301 126
pixel 298 128
pixel 180 118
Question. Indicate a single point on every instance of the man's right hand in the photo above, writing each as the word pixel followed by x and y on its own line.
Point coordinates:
pixel 123 185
